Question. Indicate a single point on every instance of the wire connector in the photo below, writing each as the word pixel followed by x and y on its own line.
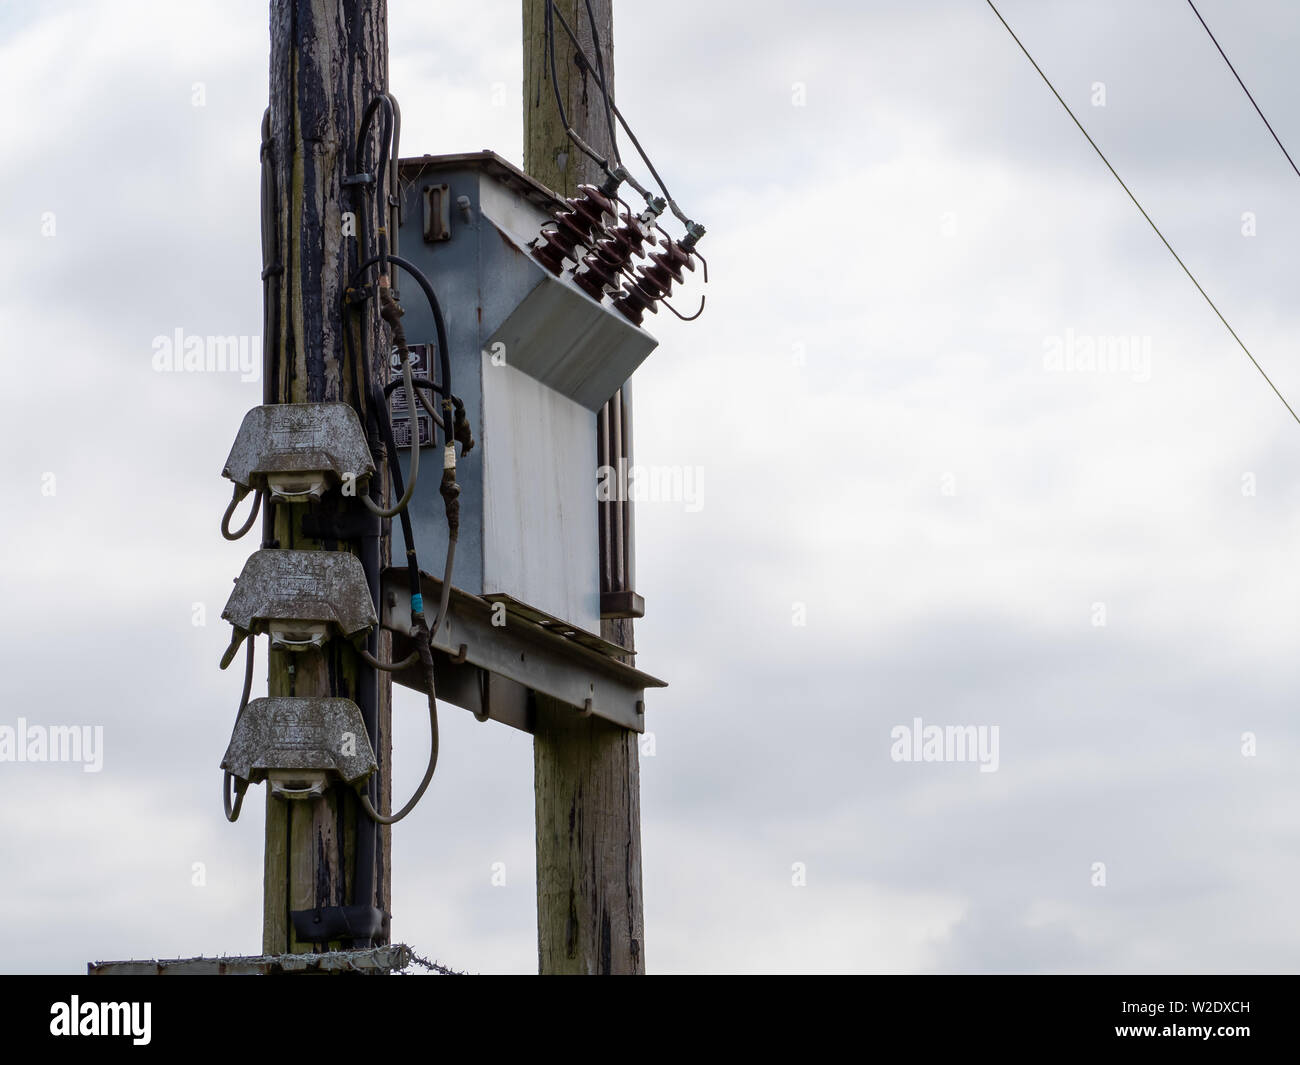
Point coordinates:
pixel 461 428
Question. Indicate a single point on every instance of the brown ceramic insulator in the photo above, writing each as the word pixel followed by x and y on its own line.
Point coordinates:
pixel 575 225
pixel 550 249
pixel 639 296
pixel 672 260
pixel 553 246
pixel 593 204
pixel 654 281
pixel 602 268
pixel 594 277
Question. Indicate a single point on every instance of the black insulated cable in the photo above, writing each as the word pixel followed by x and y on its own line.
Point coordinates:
pixel 230 510
pixel 241 786
pixel 1244 89
pixel 1178 259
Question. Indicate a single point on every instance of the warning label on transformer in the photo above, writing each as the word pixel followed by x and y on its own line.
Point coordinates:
pixel 399 403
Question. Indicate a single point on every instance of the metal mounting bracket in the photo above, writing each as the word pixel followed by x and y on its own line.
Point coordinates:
pixel 324 924
pixel 520 656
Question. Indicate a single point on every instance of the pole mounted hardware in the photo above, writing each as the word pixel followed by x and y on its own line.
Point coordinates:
pixel 300 598
pixel 323 924
pixel 296 452
pixel 299 745
pixel 597 230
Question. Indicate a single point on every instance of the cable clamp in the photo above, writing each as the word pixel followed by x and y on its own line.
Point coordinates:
pixel 357 293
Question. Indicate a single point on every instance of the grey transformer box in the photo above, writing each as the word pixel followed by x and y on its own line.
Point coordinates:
pixel 534 358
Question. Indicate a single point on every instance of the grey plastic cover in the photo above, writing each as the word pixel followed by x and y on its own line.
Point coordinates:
pixel 298 438
pixel 328 586
pixel 300 734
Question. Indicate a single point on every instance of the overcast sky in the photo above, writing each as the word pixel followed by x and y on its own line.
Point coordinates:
pixel 905 229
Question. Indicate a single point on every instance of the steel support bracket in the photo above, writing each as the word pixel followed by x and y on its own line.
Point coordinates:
pixel 508 660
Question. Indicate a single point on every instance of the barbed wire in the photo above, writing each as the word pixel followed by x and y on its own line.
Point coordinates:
pixel 394 958
pixel 433 966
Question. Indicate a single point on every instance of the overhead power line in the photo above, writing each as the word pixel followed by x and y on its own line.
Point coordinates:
pixel 1244 89
pixel 1047 81
pixel 597 66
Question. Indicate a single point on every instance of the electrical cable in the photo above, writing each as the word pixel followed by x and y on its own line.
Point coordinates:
pixel 439 325
pixel 392 819
pixel 449 488
pixel 420 631
pixel 400 506
pixel 413 566
pixel 422 650
pixel 421 383
pixel 386 138
pixel 272 271
pixel 388 143
pixel 367 390
pixel 1244 89
pixel 389 667
pixel 600 74
pixel 586 148
pixel 408 535
pixel 408 532
pixel 239 494
pixel 1139 206
pixel 428 407
pixel 391 311
pixel 395 195
pixel 392 130
pixel 444 601
pixel 668 196
pixel 232 812
pixel 620 172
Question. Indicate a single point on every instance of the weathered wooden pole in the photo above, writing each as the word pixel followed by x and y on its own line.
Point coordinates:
pixel 329 59
pixel 586 771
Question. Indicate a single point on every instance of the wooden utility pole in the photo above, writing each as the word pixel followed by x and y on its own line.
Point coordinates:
pixel 329 59
pixel 586 770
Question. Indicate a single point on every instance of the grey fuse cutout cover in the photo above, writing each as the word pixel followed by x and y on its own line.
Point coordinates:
pixel 293 438
pixel 284 585
pixel 291 733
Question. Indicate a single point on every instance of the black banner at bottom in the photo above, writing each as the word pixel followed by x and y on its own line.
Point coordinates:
pixel 1226 1015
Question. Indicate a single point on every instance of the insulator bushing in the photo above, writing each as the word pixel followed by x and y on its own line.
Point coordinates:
pixel 575 224
pixel 553 246
pixel 602 268
pixel 654 281
pixel 670 262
